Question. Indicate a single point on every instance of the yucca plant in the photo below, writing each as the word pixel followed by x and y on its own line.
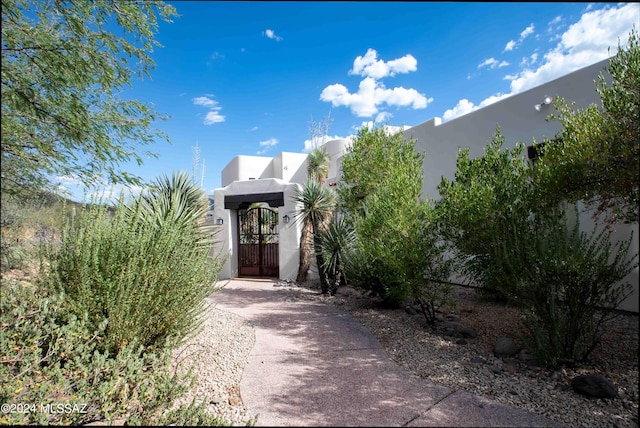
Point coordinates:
pixel 179 201
pixel 335 242
pixel 317 204
pixel 317 170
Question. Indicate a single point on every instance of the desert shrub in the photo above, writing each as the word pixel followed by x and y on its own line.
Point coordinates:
pixel 52 357
pixel 24 221
pixel 491 196
pixel 567 284
pixel 149 280
pixel 399 255
pixel 380 196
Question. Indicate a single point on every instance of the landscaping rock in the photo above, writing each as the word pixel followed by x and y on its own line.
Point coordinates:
pixel 594 386
pixel 528 359
pixel 504 347
pixel 468 332
pixel 461 342
pixel 409 309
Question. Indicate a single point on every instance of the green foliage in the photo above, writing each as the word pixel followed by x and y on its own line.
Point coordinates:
pixel 25 220
pixel 148 279
pixel 564 279
pixel 318 164
pixel 179 202
pixel 334 244
pixel 52 357
pixel 492 196
pixel 596 156
pixel 377 159
pixel 397 254
pixel 316 205
pixel 317 170
pixel 63 71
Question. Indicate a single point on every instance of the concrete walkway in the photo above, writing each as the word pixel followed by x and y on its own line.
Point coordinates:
pixel 314 365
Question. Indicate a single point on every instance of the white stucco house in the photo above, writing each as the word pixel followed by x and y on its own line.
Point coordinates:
pixel 248 180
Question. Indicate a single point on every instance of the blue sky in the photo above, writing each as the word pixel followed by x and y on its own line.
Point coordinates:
pixel 247 78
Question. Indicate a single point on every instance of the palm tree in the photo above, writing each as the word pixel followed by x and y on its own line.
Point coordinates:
pixel 317 170
pixel 317 204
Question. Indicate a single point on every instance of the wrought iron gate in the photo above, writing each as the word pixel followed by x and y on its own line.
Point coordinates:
pixel 258 239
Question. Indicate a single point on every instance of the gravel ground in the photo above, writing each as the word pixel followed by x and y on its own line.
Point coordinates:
pixel 429 353
pixel 218 356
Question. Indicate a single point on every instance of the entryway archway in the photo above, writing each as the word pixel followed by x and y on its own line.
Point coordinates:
pixel 258 239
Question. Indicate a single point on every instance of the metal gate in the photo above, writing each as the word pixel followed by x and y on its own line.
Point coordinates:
pixel 258 238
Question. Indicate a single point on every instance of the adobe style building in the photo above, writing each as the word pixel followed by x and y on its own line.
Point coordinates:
pixel 256 217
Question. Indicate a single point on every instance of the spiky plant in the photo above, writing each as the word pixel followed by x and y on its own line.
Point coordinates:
pixel 338 238
pixel 179 201
pixel 318 164
pixel 317 204
pixel 317 170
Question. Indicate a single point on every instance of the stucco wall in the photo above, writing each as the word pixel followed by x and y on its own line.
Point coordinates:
pixel 519 121
pixel 227 238
pixel 242 168
pixel 516 116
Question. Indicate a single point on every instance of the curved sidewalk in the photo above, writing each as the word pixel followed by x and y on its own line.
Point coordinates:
pixel 314 365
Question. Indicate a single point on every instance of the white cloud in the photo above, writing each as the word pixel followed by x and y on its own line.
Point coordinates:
pixel 493 63
pixel 272 35
pixel 530 60
pixel 512 44
pixel 527 31
pixel 383 116
pixel 213 116
pixel 463 107
pixel 372 94
pixel 369 66
pixel 67 180
pixel 267 144
pixel 312 143
pixel 205 101
pixel 582 44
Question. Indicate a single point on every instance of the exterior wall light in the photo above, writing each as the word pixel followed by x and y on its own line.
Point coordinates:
pixel 285 219
pixel 219 221
pixel 545 101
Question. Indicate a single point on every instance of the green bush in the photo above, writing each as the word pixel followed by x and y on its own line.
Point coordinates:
pixel 492 196
pixel 398 253
pixel 52 357
pixel 566 284
pixel 149 282
pixel 25 220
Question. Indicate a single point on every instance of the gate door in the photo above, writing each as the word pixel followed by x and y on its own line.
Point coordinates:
pixel 258 237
